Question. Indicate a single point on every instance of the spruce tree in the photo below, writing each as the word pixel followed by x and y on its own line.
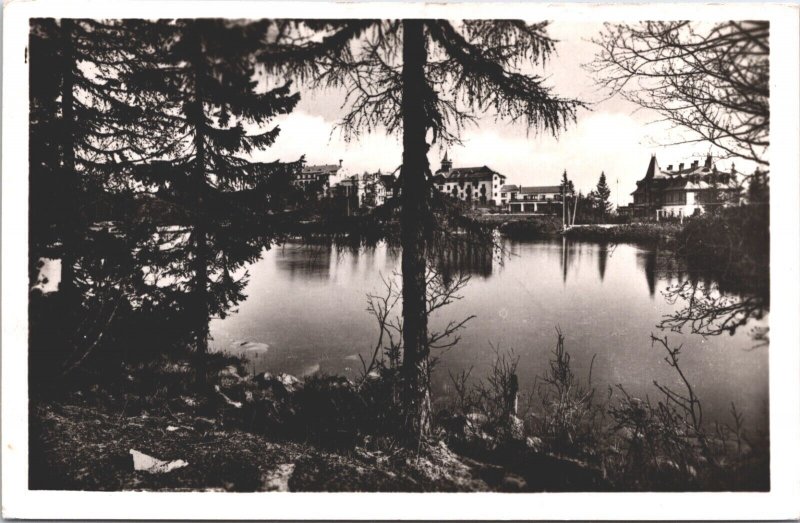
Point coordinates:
pixel 202 100
pixel 566 186
pixel 81 132
pixel 603 193
pixel 76 125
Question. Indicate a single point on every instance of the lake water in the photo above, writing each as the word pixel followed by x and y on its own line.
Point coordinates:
pixel 306 313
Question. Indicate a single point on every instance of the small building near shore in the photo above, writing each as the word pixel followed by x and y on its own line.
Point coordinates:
pixel 540 199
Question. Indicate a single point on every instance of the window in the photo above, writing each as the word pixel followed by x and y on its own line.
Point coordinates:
pixel 676 198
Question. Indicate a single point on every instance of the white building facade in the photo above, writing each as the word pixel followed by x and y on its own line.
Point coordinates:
pixel 480 185
pixel 317 176
pixel 543 199
pixel 684 191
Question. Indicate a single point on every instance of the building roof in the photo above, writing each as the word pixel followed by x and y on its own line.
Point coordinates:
pixel 468 173
pixel 329 169
pixel 695 168
pixel 699 185
pixel 348 182
pixel 509 188
pixel 653 171
pixel 694 177
pixel 541 189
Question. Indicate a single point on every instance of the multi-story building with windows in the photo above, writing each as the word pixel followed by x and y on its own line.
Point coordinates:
pixel 317 177
pixel 685 190
pixel 541 199
pixel 480 185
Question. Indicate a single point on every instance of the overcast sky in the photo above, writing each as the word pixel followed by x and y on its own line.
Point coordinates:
pixel 613 136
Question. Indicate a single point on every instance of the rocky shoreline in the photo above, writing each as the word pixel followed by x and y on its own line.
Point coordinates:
pixel 267 433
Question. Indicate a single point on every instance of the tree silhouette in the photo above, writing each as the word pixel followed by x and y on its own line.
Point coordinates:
pixel 77 124
pixel 566 186
pixel 201 100
pixel 82 130
pixel 710 79
pixel 603 193
pixel 417 77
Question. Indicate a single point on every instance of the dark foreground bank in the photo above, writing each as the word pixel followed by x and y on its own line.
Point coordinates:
pixel 265 433
pixel 151 431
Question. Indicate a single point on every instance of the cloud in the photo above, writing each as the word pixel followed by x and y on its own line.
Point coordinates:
pixel 321 142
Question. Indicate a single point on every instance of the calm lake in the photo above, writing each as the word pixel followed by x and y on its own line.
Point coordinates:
pixel 306 313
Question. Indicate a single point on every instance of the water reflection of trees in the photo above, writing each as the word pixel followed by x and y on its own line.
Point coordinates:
pixel 713 302
pixel 709 300
pixel 708 311
pixel 602 260
pixel 457 258
pixel 307 260
pixel 572 252
pixel 647 262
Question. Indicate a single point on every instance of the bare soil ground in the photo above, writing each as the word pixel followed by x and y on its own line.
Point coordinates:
pixel 75 447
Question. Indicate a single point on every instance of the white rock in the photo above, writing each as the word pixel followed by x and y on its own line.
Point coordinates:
pixel 143 462
pixel 49 275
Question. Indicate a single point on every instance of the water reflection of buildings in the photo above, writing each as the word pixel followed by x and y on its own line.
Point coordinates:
pixel 663 265
pixel 465 258
pixel 306 260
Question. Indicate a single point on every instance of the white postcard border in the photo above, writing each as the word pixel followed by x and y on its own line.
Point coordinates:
pixel 780 503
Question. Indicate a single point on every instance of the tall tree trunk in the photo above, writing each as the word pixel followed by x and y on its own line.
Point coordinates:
pixel 200 226
pixel 414 201
pixel 71 183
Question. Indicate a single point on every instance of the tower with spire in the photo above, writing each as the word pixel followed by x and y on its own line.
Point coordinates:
pixel 447 165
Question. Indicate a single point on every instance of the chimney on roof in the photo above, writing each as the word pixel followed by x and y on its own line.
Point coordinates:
pixel 695 164
pixel 680 166
pixel 340 162
pixel 707 165
pixel 669 167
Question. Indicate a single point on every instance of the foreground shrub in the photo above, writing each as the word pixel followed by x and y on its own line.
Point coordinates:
pixel 661 443
pixel 734 241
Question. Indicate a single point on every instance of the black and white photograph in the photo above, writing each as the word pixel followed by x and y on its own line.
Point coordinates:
pixel 365 249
